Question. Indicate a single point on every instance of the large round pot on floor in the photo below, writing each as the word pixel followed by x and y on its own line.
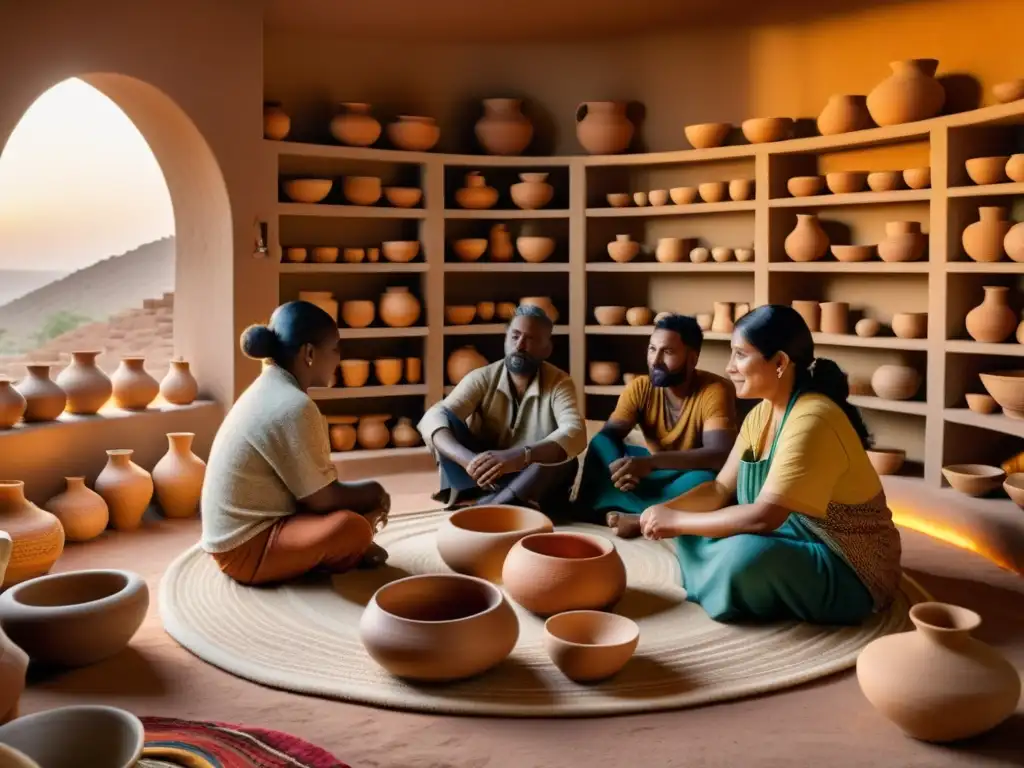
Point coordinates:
pixel 476 540
pixel 438 627
pixel 76 618
pixel 548 573
pixel 77 736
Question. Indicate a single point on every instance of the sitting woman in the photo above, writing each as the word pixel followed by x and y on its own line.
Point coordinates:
pixel 796 524
pixel 272 506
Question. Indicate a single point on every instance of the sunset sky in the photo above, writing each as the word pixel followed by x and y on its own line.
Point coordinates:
pixel 78 183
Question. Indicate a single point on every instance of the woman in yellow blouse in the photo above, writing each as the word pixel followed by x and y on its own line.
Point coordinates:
pixel 796 524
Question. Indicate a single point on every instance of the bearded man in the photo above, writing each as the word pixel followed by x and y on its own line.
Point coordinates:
pixel 688 420
pixel 510 432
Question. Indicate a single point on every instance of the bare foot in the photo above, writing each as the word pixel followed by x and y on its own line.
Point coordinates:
pixel 374 557
pixel 625 526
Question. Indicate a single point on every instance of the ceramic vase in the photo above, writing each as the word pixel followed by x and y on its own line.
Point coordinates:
pixel 126 487
pixel 504 129
pixel 532 191
pixel 992 321
pixel 476 195
pixel 623 249
pixel 37 535
pixel 342 432
pixel 178 477
pixel 354 125
pixel 462 361
pixel 602 127
pixel 835 317
pixel 134 388
pixel 983 240
pixel 179 386
pixel 276 123
pixel 807 241
pixel 938 683
pixel 842 114
pixel 910 93
pixel 404 434
pixel 399 308
pixel 13 660
pixel 722 321
pixel 87 387
pixel 903 241
pixel 82 512
pixel 44 400
pixel 500 243
pixel 1013 243
pixel 372 432
pixel 12 404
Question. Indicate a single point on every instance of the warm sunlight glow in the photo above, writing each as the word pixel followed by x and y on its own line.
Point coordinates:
pixel 943 532
pixel 78 183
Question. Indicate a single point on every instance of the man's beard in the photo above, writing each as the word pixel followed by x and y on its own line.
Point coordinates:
pixel 521 364
pixel 663 377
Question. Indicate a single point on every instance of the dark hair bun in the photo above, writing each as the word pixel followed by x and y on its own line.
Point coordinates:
pixel 259 342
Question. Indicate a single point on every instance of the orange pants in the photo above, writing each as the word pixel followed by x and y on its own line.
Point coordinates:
pixel 296 545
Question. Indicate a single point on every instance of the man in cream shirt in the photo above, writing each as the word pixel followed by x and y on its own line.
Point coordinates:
pixel 510 432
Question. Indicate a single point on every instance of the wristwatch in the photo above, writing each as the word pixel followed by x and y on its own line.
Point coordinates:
pixel 527 456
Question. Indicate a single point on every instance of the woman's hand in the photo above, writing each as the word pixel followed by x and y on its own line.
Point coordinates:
pixel 657 522
pixel 627 472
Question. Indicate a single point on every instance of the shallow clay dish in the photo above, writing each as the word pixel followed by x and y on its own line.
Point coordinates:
pixel 1011 90
pixel 81 736
pixel 1007 388
pixel 887 461
pixel 853 252
pixel 403 197
pixel 588 646
pixel 973 479
pixel 476 540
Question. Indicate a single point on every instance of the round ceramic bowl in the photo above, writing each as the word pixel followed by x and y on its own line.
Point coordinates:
pixel 707 135
pixel 1014 487
pixel 761 130
pixel 459 314
pixel 77 737
pixel 805 186
pixel 713 191
pixel 910 325
pixel 853 252
pixel 610 315
pixel 354 373
pixel 308 190
pixel 658 197
pixel 535 249
pixel 76 618
pixel 741 189
pixel 1007 389
pixel 619 199
pixel 400 251
pixel 358 313
pixel 884 181
pixel 325 254
pixel 846 182
pixel 683 195
pixel 918 178
pixel 469 248
pixel 887 461
pixel 744 255
pixel 476 540
pixel 438 627
pixel 361 190
pixel 973 479
pixel 604 373
pixel 588 646
pixel 403 197
pixel 987 170
pixel 981 403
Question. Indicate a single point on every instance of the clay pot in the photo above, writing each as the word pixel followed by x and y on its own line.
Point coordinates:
pixel 354 373
pixel 548 573
pixel 484 311
pixel 741 189
pixel 1007 389
pixel 87 387
pixel 637 316
pixel 588 646
pixel 388 370
pixel 884 181
pixel 372 432
pixel 501 243
pixel 1015 167
pixel 179 386
pixel 532 191
pixel 835 317
pixel 707 135
pixel 983 240
pixel 992 321
pixel 110 737
pixel 476 194
pixel 762 130
pixel 295 255
pixel 744 255
pixel 13 660
pixel 722 321
pixel 807 241
pixel 910 93
pixel 504 129
pixel 668 251
pixel 887 461
pixel 341 432
pixel 82 512
pixel 535 249
pixel 602 127
pixel 476 540
pixel 414 133
pixel 544 303
pixel 721 255
pixel 623 249
pixel 658 197
pixel 1013 243
pixel 403 197
pixel 44 400
pixel 683 195
pixel 918 178
pixel 398 307
pixel 810 311
pixel 700 255
pixel 895 382
pixel 37 535
pixel 981 403
pixel 844 113
pixel 846 182
pixel 308 190
pixel 276 123
pixel 438 627
pixel 462 361
pixel 361 190
pixel 713 191
pixel 469 249
pixel 973 479
pixel 414 365
pixel 910 325
pixel 987 170
pixel 1014 487
pixel 618 199
pixel 640 198
pixel 603 373
pixel 903 241
pixel 805 186
pixel 134 389
pixel 867 327
pixel 610 315
pixel 354 125
pixel 358 314
pixel 126 487
pixel 404 434
pixel 505 310
pixel 1011 90
pixel 178 477
pixel 12 404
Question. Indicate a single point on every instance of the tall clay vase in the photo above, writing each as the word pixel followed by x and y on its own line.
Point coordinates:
pixel 44 400
pixel 983 240
pixel 807 241
pixel 178 477
pixel 992 321
pixel 37 535
pixel 602 127
pixel 842 114
pixel 179 386
pixel 938 683
pixel 87 387
pixel 12 404
pixel 13 660
pixel 354 125
pixel 504 129
pixel 126 487
pixel 82 512
pixel 134 388
pixel 910 93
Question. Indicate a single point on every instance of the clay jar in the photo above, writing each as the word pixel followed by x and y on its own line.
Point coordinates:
pixel 835 317
pixel 639 316
pixel 87 387
pixel 476 194
pixel 475 541
pixel 178 477
pixel 722 322
pixel 623 249
pixel 548 573
pixel 903 241
pixel 414 133
pixel 354 125
pixel 983 240
pixel 602 127
pixel 126 487
pixel 134 388
pixel 179 386
pixel 668 251
pixel 404 434
pixel 37 536
pixel 1013 243
pixel 500 242
pixel 12 404
pixel 398 307
pixel 844 113
pixel 504 129
pixel 372 432
pixel 807 241
pixel 910 93
pixel 44 400
pixel 82 512
pixel 532 192
pixel 341 432
pixel 992 321
pixel 810 311
pixel 462 361
pixel 895 382
pixel 276 123
pixel 938 683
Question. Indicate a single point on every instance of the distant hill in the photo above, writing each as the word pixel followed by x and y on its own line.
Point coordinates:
pixel 15 283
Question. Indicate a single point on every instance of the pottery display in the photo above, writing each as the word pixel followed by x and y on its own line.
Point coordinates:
pixel 308 190
pixel 276 123
pixel 762 130
pixel 544 302
pixel 910 325
pixel 532 191
pixel 438 627
pixel 842 114
pixel 179 386
pixel 361 190
pixel 1013 243
pixel 602 127
pixel 476 194
pixel 12 404
pixel 846 182
pixel 810 311
pixel 462 361
pixel 588 646
pixel 903 241
pixel 835 316
pixel 548 573
pixel 992 321
pixel 895 382
pixel 707 135
pixel 82 512
pixel 713 191
pixel 372 432
pixel 37 535
pixel 87 387
pixel 668 250
pixel 722 320
pixel 623 249
pixel 133 388
pixel 354 125
pixel 636 316
pixel 909 94
pixel 983 240
pixel 341 431
pixel 414 133
pixel 973 479
pixel 807 241
pixel 44 400
pixel 476 540
pixel 13 660
pixel 1015 167
pixel 918 178
pixel 398 307
pixel 404 434
pixel 178 477
pixel 77 736
pixel 887 461
pixel 535 249
pixel 504 129
pixel 500 241
pixel 126 487
pixel 610 315
pixel 604 373
pixel 1007 389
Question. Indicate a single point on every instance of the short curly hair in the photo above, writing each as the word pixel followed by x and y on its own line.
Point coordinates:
pixel 684 326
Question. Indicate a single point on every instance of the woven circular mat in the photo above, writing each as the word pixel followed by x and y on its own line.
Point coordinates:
pixel 304 637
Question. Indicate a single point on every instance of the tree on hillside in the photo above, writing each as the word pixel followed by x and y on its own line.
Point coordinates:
pixel 58 324
pixel 7 346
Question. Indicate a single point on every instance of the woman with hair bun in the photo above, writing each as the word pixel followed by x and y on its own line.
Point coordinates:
pixel 796 524
pixel 272 506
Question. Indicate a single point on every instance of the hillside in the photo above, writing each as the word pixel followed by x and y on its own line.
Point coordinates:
pixel 15 283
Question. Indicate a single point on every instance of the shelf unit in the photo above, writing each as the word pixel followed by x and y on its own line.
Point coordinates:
pixel 580 275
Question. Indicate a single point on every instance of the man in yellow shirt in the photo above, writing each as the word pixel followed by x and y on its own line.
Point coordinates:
pixel 688 420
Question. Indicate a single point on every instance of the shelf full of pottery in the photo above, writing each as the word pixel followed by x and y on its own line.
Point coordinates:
pixel 371 432
pixel 612 320
pixel 83 389
pixel 706 197
pixel 393 251
pixel 499 247
pixel 397 308
pixel 392 377
pixel 493 315
pixel 1002 390
pixel 855 187
pixel 993 237
pixel 529 197
pixel 831 323
pixel 990 175
pixel 808 241
pixel 676 250
pixel 359 196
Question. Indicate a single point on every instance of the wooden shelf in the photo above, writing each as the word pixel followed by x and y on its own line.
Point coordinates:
pixel 613 390
pixel 348 211
pixel 644 330
pixel 853 198
pixel 388 267
pixel 371 154
pixel 671 210
pixel 992 267
pixel 868 342
pixel 1008 349
pixel 996 422
pixel 383 333
pixel 504 266
pixel 983 190
pixel 858 267
pixel 677 266
pixel 358 393
pixel 506 213
pixel 911 407
pixel 482 329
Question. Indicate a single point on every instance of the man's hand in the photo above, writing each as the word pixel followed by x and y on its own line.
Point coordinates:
pixel 371 497
pixel 656 522
pixel 487 467
pixel 628 471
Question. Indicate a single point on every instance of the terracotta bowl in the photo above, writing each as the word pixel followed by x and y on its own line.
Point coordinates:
pixel 885 181
pixel 658 197
pixel 744 255
pixel 987 170
pixel 295 254
pixel 403 197
pixel 910 325
pixel 700 255
pixel 588 646
pixel 610 315
pixel 470 248
pixel 981 403
pixel 388 370
pixel 720 255
pixel 325 254
pixel 805 186
pixel 459 314
pixel 1014 487
pixel 353 255
pixel 476 540
pixel 853 252
pixel 400 251
pixel 438 627
pixel 361 190
pixel 355 373
pixel 973 479
pixel 1011 90
pixel 604 374
pixel 707 135
pixel 713 191
pixel 1007 388
pixel 619 199
pixel 761 130
pixel 308 190
pixel 846 182
pixel 77 736
pixel 75 618
pixel 867 327
pixel 887 461
pixel 741 189
pixel 918 178
pixel 358 313
pixel 639 316
pixel 683 195
pixel 535 249
pixel 895 382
